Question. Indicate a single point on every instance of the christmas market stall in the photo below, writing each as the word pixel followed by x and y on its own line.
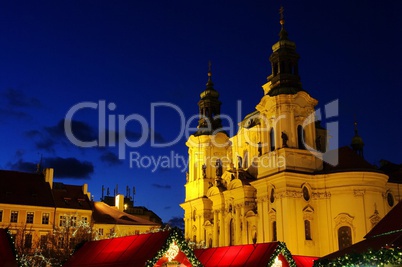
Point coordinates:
pixel 164 248
pixel 382 246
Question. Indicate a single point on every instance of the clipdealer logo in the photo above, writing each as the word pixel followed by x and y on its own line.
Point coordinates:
pixel 112 132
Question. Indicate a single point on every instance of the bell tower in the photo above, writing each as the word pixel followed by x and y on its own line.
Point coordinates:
pixel 287 113
pixel 207 149
pixel 284 60
pixel 210 109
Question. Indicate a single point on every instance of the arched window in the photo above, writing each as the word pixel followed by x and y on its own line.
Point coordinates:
pixel 344 237
pixel 272 139
pixel 274 236
pixel 231 233
pixel 307 230
pixel 300 137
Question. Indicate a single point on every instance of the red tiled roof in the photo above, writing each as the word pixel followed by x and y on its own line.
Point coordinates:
pixel 103 213
pixel 70 196
pixel 23 188
pixel 7 257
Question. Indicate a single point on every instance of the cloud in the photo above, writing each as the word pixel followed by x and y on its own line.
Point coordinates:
pixel 24 166
pixel 17 98
pixel 16 114
pixel 110 158
pixel 46 138
pixel 41 141
pixel 159 186
pixel 81 130
pixel 69 167
pixel 15 104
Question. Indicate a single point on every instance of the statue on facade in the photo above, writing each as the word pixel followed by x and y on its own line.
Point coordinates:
pixel 259 149
pixel 239 162
pixel 204 170
pixel 218 168
pixel 285 139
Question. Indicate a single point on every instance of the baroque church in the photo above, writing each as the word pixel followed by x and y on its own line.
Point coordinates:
pixel 275 180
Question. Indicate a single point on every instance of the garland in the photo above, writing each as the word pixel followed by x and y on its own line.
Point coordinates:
pixel 12 243
pixel 175 236
pixel 381 257
pixel 282 249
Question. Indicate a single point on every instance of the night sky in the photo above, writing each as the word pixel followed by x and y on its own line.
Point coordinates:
pixel 126 55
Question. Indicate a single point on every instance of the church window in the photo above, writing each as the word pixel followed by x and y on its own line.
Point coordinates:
pixel 344 237
pixel 306 193
pixel 272 196
pixel 300 137
pixel 307 230
pixel 272 139
pixel 390 199
pixel 194 217
pixel 274 236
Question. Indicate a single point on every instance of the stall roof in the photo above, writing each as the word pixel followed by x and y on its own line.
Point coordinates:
pixel 263 254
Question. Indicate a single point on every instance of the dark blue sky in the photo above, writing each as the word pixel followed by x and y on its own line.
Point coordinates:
pixel 57 54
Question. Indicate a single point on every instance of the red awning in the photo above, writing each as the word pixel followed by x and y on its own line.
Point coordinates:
pixel 242 255
pixel 132 251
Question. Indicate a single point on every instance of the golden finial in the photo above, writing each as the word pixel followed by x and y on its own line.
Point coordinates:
pixel 209 68
pixel 282 18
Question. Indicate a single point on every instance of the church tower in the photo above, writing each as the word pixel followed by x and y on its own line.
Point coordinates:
pixel 269 181
pixel 207 150
pixel 286 113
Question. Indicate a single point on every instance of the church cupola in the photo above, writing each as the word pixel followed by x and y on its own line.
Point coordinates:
pixel 210 108
pixel 357 142
pixel 285 77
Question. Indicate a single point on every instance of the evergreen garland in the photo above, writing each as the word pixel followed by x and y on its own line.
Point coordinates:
pixel 381 257
pixel 175 236
pixel 282 249
pixel 12 244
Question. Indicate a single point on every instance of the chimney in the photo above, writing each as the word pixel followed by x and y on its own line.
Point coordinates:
pixel 85 191
pixel 48 172
pixel 119 202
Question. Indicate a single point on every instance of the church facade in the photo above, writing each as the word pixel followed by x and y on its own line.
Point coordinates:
pixel 272 180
